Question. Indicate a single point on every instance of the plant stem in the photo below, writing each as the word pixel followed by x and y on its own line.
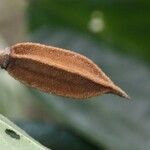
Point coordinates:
pixel 4 58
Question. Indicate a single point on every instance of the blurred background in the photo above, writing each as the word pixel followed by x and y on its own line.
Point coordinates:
pixel 115 35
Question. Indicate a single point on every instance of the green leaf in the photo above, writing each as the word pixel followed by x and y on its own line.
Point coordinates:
pixel 14 138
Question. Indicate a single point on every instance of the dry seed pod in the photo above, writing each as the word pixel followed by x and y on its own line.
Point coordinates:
pixel 58 71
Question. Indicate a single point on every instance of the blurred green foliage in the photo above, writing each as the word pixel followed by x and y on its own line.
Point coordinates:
pixel 126 23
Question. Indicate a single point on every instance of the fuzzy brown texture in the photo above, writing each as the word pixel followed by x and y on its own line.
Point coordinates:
pixel 59 71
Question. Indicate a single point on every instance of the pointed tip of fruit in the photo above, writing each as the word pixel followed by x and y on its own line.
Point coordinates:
pixel 118 91
pixel 125 95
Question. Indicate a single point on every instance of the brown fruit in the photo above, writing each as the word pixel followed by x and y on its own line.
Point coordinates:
pixel 58 71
